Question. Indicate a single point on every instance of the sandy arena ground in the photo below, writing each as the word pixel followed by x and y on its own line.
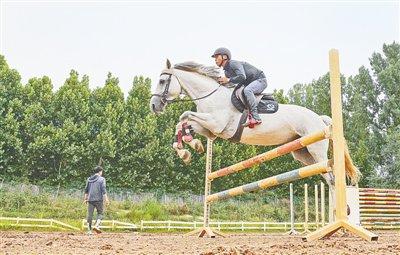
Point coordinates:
pixel 12 242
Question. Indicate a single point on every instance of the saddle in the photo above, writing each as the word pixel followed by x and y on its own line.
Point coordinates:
pixel 266 104
pixel 265 101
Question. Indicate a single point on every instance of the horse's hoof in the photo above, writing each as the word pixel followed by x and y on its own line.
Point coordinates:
pixel 185 155
pixel 177 146
pixel 197 145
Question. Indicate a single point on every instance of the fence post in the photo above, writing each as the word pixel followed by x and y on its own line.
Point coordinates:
pixel 322 204
pixel 316 206
pixel 306 230
pixel 292 231
pixel 331 217
pixel 291 207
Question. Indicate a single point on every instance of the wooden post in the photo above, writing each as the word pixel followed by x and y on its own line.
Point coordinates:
pixel 339 163
pixel 206 230
pixel 316 206
pixel 322 204
pixel 292 231
pixel 306 230
pixel 207 186
pixel 331 206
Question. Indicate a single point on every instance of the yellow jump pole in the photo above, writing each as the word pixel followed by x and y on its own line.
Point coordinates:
pixel 341 220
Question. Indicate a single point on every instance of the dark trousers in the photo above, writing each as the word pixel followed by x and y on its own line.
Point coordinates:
pixel 99 208
pixel 254 87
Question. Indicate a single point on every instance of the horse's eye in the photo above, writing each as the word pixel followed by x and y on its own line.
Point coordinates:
pixel 162 82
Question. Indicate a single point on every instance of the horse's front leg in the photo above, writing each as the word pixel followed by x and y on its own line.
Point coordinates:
pixel 184 154
pixel 184 133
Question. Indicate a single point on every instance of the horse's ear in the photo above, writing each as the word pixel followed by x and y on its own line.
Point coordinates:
pixel 168 64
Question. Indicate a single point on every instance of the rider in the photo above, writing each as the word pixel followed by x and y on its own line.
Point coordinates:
pixel 242 74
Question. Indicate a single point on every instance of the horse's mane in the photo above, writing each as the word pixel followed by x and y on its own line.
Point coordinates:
pixel 191 66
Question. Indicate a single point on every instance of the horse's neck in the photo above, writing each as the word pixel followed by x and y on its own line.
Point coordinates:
pixel 196 86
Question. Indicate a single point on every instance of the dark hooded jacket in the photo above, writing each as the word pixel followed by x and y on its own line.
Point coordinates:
pixel 95 188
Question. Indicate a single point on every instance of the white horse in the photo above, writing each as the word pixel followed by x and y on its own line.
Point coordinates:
pixel 217 117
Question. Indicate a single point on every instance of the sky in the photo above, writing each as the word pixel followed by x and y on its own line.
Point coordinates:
pixel 289 40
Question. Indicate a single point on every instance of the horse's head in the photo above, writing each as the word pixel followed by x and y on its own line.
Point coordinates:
pixel 167 89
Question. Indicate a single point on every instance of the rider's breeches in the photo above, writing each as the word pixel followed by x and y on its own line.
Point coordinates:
pixel 255 87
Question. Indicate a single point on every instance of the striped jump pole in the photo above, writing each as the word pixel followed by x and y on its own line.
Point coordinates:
pixel 374 190
pixel 297 174
pixel 274 153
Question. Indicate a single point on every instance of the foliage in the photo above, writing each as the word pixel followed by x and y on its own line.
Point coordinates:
pixel 57 137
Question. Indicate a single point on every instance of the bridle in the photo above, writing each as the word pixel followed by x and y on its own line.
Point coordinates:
pixel 164 94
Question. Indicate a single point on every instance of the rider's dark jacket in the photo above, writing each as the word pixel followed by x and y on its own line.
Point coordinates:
pixel 242 73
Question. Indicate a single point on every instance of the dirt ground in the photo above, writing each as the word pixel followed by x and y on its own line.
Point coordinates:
pixel 12 242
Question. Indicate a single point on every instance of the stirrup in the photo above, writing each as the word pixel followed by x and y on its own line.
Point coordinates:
pixel 252 122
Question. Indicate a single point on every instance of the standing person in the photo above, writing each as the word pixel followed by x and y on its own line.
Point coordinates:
pixel 95 195
pixel 242 74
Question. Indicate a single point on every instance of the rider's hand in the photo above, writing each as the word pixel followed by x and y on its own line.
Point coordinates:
pixel 223 80
pixel 85 201
pixel 107 202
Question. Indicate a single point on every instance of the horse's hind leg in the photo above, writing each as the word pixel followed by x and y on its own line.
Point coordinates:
pixel 303 156
pixel 314 153
pixel 319 151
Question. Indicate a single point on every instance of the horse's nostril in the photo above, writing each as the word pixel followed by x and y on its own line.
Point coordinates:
pixel 153 107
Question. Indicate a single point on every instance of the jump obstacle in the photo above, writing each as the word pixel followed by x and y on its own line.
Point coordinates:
pixel 306 207
pixel 379 208
pixel 337 165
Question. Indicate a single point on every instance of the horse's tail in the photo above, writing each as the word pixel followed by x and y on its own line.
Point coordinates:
pixel 352 172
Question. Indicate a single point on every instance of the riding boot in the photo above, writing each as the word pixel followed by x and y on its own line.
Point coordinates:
pixel 254 118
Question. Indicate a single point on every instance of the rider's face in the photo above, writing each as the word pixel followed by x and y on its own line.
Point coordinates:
pixel 218 60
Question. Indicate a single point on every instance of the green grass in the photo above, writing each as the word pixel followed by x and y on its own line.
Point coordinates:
pixel 72 210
